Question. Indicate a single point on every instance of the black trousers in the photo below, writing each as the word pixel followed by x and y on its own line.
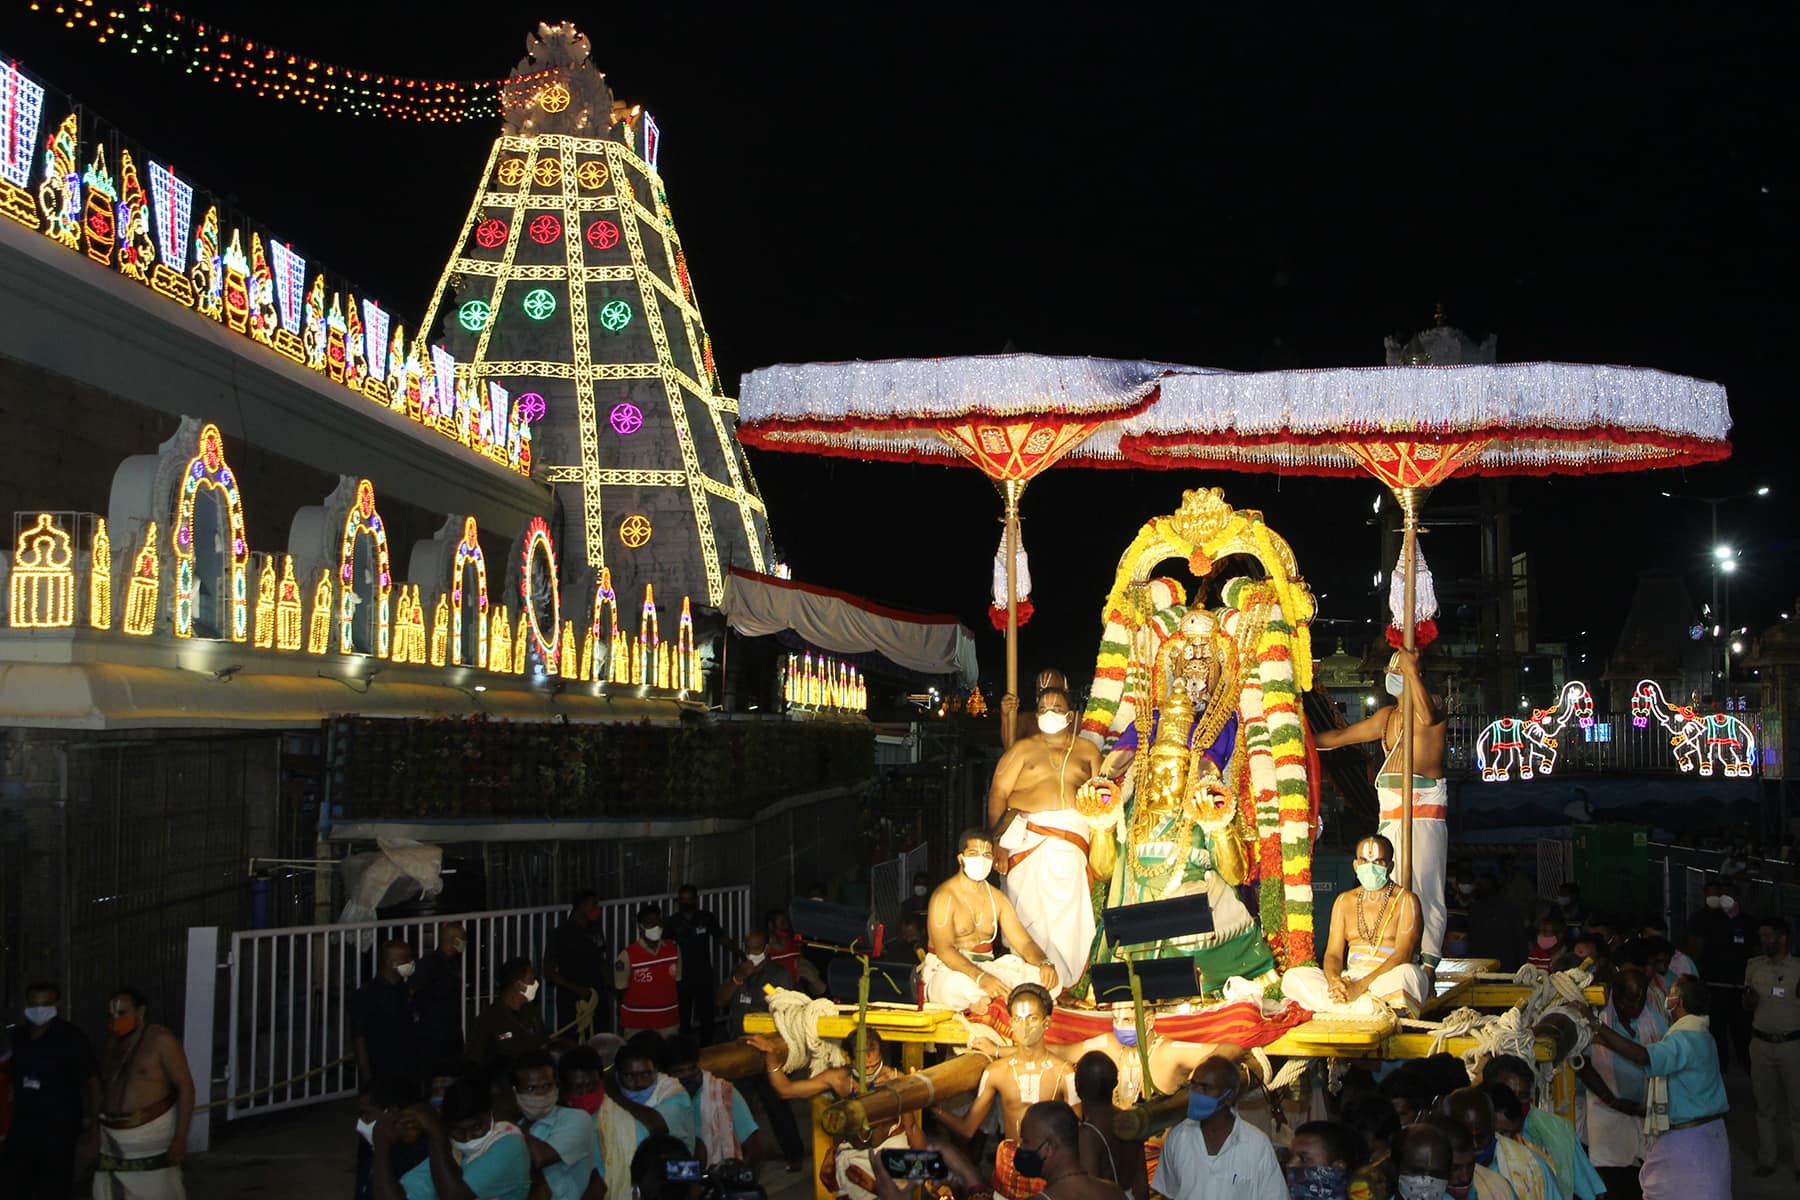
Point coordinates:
pixel 698 998
pixel 778 1113
pixel 1621 1183
pixel 38 1163
pixel 1730 1025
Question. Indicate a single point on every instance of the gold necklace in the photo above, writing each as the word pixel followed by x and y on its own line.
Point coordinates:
pixel 1362 927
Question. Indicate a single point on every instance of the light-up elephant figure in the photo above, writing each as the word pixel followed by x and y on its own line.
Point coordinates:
pixel 1699 743
pixel 1528 744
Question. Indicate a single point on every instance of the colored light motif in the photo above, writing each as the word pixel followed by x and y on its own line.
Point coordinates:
pixel 652 141
pixel 289 270
pixel 511 172
pixel 316 334
pixel 356 361
pixel 643 662
pixel 59 195
pixel 635 531
pixel 318 630
pixel 548 172
pixel 99 218
pixel 21 104
pixel 493 421
pixel 522 647
pixel 264 636
pixel 500 642
pixel 544 229
pixel 173 202
pixel 603 235
pixel 208 275
pixel 823 682
pixel 137 253
pixel 363 521
pixel 375 334
pixel 1698 743
pixel 554 98
pixel 409 628
pixel 534 586
pixel 1528 745
pixel 591 174
pixel 335 337
pixel 571 663
pixel 100 578
pixel 208 469
pixel 263 318
pixel 539 304
pixel 606 626
pixel 287 607
pixel 468 553
pixel 531 406
pixel 491 234
pixel 687 659
pixel 626 419
pixel 443 373
pixel 615 315
pixel 140 593
pixel 43 577
pixel 440 630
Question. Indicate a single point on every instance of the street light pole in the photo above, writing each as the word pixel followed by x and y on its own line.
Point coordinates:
pixel 1721 564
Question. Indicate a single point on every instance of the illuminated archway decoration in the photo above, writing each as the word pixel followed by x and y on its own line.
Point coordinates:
pixel 288 618
pixel 363 520
pixel 440 630
pixel 43 577
pixel 468 552
pixel 140 592
pixel 643 662
pixel 687 659
pixel 318 630
pixel 499 653
pixel 100 578
pixel 208 468
pixel 537 541
pixel 264 637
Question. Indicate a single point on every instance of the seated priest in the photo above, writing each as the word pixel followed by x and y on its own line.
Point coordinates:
pixel 1368 960
pixel 966 916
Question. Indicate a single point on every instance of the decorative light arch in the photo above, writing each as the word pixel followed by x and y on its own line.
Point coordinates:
pixel 208 468
pixel 362 519
pixel 605 631
pixel 469 551
pixel 537 535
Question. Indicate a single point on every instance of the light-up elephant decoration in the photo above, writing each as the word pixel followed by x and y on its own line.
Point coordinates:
pixel 1528 744
pixel 1699 743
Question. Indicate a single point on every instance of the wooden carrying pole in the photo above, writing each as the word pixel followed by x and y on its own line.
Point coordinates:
pixel 735 1060
pixel 908 1093
pixel 1148 1118
pixel 1411 500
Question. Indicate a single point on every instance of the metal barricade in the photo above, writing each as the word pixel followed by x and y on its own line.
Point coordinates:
pixel 292 1041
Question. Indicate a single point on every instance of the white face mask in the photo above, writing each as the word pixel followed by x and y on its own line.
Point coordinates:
pixel 977 866
pixel 755 960
pixel 366 1131
pixel 531 991
pixel 653 933
pixel 474 1147
pixel 405 970
pixel 1714 901
pixel 920 889
pixel 1395 683
pixel 1727 903
pixel 41 1014
pixel 536 1108
pixel 1423 1187
pixel 1052 723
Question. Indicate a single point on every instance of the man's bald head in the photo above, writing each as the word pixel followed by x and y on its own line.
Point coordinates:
pixel 1630 990
pixel 1423 1150
pixel 1462 1147
pixel 1216 1077
pixel 1471 1107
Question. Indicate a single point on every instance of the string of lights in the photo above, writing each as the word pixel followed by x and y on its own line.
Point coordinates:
pixel 258 68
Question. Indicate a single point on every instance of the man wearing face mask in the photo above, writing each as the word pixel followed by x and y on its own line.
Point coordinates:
pixel 647 976
pixel 967 916
pixel 437 989
pixel 1213 1155
pixel 147 1102
pixel 562 1142
pixel 1049 1138
pixel 384 1020
pixel 1323 1152
pixel 696 932
pixel 1368 957
pixel 919 900
pixel 374 1099
pixel 745 993
pixel 1550 1134
pixel 1526 1173
pixel 1012 725
pixel 1425 1161
pixel 471 1156
pixel 641 1102
pixel 1615 1085
pixel 1727 939
pixel 1469 1180
pixel 1031 816
pixel 56 1093
pixel 723 1126
pixel 1430 794
pixel 513 1024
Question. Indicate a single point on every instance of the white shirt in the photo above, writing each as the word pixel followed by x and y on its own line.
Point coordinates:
pixel 1245 1168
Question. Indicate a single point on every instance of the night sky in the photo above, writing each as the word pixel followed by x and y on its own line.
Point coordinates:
pixel 1241 191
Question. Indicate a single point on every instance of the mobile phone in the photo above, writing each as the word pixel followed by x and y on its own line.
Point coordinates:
pixel 914 1166
pixel 683 1170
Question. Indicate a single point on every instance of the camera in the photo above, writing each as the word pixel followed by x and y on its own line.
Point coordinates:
pixel 915 1166
pixel 732 1179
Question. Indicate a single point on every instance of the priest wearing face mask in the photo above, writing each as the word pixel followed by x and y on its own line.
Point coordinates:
pixel 512 1024
pixel 1214 1155
pixel 1043 839
pixel 1369 957
pixel 562 1141
pixel 967 916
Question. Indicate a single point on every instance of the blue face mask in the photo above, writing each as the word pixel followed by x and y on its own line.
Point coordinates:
pixel 1316 1183
pixel 639 1095
pixel 1201 1106
pixel 1486 1157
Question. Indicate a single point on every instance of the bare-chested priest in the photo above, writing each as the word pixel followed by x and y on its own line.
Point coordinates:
pixel 1044 841
pixel 967 914
pixel 1018 1080
pixel 147 1105
pixel 1374 934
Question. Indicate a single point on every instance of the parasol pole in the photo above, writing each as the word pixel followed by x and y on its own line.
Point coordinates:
pixel 1013 489
pixel 1411 500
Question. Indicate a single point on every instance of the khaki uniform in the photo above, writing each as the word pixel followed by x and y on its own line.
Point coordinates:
pixel 1775 1049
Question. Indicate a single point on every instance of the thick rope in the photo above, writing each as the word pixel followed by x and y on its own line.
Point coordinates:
pixel 796 1018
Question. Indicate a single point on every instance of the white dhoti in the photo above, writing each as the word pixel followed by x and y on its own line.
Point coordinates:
pixel 855 1176
pixel 1431 852
pixel 955 990
pixel 137 1161
pixel 1404 986
pixel 1047 882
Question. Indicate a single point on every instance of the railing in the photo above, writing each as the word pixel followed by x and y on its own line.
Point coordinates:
pixel 890 883
pixel 290 989
pixel 1679 875
pixel 1612 744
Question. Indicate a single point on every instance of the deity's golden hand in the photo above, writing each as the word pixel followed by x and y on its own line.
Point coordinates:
pixel 1215 811
pixel 1098 802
